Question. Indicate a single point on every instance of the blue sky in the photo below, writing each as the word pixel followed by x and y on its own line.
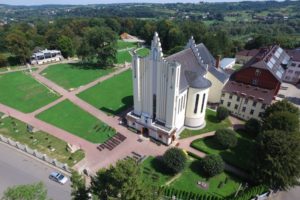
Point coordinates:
pixel 40 2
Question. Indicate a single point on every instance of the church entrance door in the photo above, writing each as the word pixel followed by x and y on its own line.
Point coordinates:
pixel 145 132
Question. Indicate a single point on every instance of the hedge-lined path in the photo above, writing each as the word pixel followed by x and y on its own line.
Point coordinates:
pixel 185 144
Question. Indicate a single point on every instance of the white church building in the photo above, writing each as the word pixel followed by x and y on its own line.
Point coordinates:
pixel 171 93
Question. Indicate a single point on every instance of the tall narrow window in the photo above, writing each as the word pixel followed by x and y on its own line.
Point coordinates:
pixel 203 100
pixel 196 104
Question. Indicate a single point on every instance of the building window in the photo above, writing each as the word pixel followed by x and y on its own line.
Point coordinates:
pixel 203 100
pixel 223 94
pixel 236 106
pixel 246 101
pixel 257 72
pixel 222 101
pixel 263 106
pixel 196 103
pixel 230 96
pixel 251 112
pixel 238 99
pixel 254 81
pixel 244 109
pixel 228 104
pixel 254 103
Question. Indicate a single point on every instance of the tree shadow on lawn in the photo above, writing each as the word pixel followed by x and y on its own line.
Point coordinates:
pixel 212 118
pixel 87 66
pixel 211 143
pixel 241 156
pixel 127 101
pixel 158 165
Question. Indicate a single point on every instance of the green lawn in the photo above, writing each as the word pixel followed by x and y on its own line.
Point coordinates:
pixel 153 173
pixel 241 156
pixel 143 52
pixel 237 66
pixel 191 175
pixel 20 91
pixel 123 56
pixel 113 95
pixel 212 124
pixel 40 141
pixel 73 75
pixel 124 45
pixel 70 117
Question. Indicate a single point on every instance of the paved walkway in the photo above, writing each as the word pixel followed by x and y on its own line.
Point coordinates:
pixel 94 158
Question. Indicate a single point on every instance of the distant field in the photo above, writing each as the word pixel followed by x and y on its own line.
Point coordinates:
pixel 73 119
pixel 143 52
pixel 123 56
pixel 20 91
pixel 113 95
pixel 73 75
pixel 123 45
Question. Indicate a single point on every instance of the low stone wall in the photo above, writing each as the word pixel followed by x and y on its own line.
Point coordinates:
pixel 35 153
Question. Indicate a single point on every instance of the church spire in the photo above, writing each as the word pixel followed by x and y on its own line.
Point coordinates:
pixel 156 50
pixel 191 43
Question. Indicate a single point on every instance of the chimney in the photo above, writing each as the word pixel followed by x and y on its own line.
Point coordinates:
pixel 218 61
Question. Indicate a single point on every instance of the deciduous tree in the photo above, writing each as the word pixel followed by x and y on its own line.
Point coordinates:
pixel 26 192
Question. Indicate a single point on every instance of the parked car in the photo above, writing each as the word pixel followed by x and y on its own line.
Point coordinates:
pixel 58 177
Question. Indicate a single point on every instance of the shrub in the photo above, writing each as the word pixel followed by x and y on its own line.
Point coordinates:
pixel 281 120
pixel 3 60
pixel 174 160
pixel 222 113
pixel 253 127
pixel 226 138
pixel 212 165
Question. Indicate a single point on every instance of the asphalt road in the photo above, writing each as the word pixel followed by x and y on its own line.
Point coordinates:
pixel 17 168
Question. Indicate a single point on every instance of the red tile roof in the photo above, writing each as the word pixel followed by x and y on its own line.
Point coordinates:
pixel 294 54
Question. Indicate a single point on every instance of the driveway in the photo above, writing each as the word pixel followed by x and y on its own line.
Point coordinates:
pixel 17 168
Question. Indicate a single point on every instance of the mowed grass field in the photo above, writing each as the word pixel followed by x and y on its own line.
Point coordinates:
pixel 73 119
pixel 154 173
pixel 74 75
pixel 124 45
pixel 123 56
pixel 113 95
pixel 20 91
pixel 143 52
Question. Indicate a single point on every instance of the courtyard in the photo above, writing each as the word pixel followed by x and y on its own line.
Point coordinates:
pixel 22 92
pixel 222 185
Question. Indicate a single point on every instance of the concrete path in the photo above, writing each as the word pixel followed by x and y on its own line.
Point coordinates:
pixel 94 158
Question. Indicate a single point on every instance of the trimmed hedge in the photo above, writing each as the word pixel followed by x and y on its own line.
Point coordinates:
pixel 212 165
pixel 184 195
pixel 222 113
pixel 250 193
pixel 174 160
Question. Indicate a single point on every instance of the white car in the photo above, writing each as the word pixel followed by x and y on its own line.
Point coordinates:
pixel 58 177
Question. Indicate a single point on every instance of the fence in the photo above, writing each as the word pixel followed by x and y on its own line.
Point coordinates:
pixel 35 153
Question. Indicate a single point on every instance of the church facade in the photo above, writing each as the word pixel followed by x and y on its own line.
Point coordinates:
pixel 170 93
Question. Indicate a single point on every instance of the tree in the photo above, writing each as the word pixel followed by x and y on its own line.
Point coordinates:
pixel 3 60
pixel 226 138
pixel 26 192
pixel 99 44
pixel 278 159
pixel 222 113
pixel 18 45
pixel 122 181
pixel 281 120
pixel 283 105
pixel 79 190
pixel 174 160
pixel 65 44
pixel 253 127
pixel 212 165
